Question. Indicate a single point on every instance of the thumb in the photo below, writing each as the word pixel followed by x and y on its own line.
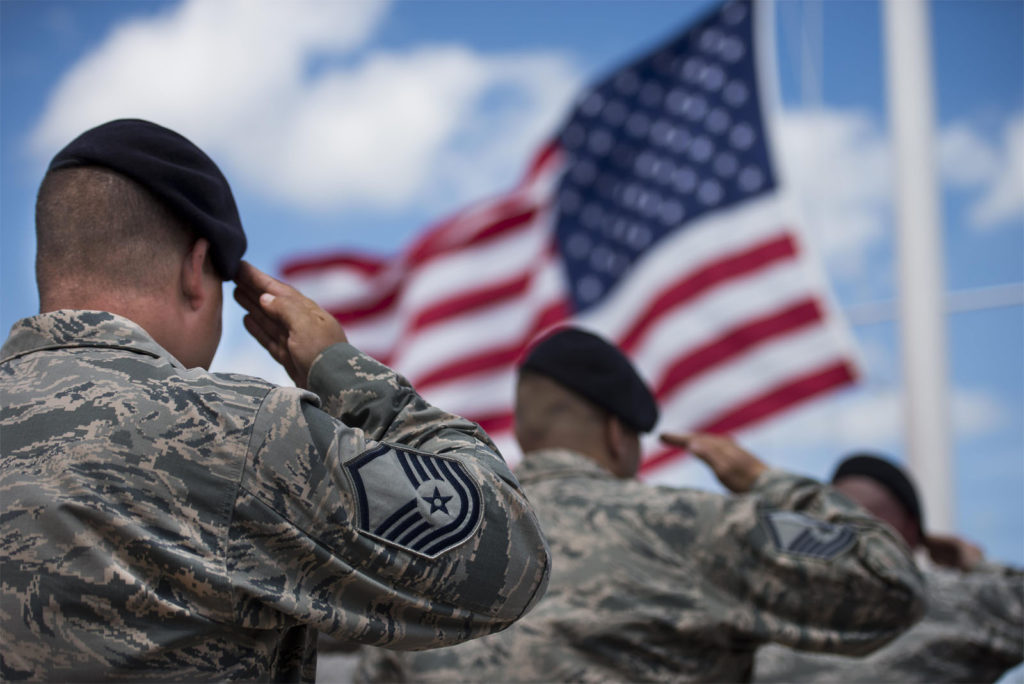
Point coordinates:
pixel 277 308
pixel 675 439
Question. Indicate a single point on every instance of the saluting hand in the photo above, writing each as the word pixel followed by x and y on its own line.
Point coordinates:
pixel 953 552
pixel 734 467
pixel 289 325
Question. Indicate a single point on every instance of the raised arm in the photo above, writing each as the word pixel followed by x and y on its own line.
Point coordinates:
pixel 805 566
pixel 398 523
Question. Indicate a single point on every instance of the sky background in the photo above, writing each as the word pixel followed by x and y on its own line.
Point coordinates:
pixel 354 125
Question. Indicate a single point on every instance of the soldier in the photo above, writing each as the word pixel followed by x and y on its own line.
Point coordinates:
pixel 973 628
pixel 161 522
pixel 653 583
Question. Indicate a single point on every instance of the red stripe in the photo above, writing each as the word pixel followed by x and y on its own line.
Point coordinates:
pixel 452 232
pixel 500 357
pixel 541 160
pixel 385 299
pixel 367 308
pixel 494 358
pixel 509 290
pixel 784 396
pixel 732 343
pixel 559 311
pixel 735 265
pixel 365 264
pixel 495 423
pixel 512 215
pixel 462 304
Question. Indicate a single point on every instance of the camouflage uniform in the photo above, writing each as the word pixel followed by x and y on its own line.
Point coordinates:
pixel 164 523
pixel 652 583
pixel 972 631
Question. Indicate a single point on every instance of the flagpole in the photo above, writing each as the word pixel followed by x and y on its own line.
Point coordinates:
pixel 920 257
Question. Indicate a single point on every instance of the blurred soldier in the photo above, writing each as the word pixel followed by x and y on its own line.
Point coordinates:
pixel 164 522
pixel 653 583
pixel 973 627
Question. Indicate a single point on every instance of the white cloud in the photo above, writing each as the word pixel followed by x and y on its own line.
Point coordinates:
pixel 209 67
pixel 1003 200
pixel 364 127
pixel 968 160
pixel 839 163
pixel 965 158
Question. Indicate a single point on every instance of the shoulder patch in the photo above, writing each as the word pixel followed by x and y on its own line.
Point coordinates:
pixel 423 503
pixel 801 535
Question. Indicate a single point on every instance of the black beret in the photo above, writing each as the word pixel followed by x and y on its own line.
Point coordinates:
pixel 887 474
pixel 593 368
pixel 175 171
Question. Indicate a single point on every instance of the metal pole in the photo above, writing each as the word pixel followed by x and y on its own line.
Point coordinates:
pixel 921 277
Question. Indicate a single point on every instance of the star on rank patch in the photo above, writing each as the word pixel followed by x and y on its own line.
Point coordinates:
pixel 424 503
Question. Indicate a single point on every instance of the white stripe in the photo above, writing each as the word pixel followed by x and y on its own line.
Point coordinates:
pixel 481 394
pixel 373 335
pixel 340 286
pixel 761 369
pixel 337 287
pixel 723 308
pixel 479 331
pixel 467 335
pixel 507 445
pixel 469 269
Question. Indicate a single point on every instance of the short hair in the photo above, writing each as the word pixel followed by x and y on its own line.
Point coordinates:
pixel 97 228
pixel 549 414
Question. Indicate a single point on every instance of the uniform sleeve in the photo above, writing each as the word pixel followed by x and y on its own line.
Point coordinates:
pixel 972 631
pixel 801 565
pixel 379 518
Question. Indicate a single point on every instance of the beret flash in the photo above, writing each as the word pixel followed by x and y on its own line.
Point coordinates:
pixel 596 370
pixel 177 172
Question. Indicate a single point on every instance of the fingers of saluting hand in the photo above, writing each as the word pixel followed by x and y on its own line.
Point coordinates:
pixel 259 318
pixel 273 302
pixel 271 343
pixel 675 439
pixel 257 282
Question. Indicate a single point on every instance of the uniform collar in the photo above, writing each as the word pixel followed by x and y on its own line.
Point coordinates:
pixel 546 463
pixel 69 328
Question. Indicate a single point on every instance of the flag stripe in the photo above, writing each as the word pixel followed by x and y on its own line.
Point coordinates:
pixel 736 341
pixel 434 276
pixel 713 274
pixel 511 216
pixel 716 274
pixel 367 265
pixel 477 299
pixel 786 395
pixel 492 358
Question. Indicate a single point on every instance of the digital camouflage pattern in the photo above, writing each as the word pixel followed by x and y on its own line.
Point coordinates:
pixel 164 523
pixel 972 631
pixel 651 583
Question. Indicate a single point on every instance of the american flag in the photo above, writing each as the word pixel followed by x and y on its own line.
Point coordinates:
pixel 657 218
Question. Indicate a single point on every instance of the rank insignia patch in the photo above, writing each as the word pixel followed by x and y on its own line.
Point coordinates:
pixel 797 533
pixel 424 503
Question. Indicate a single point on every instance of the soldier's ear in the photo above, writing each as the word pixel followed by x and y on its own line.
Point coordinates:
pixel 192 266
pixel 623 447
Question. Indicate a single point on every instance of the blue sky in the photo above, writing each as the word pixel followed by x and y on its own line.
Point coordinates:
pixel 353 125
